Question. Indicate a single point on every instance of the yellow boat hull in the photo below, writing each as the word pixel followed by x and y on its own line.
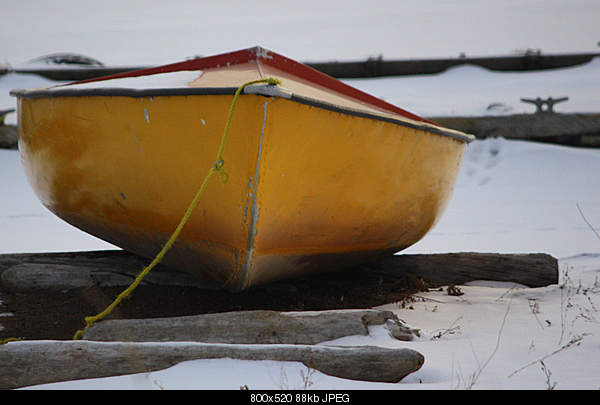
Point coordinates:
pixel 310 189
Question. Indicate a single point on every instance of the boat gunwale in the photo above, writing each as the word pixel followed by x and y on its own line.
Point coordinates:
pixel 227 91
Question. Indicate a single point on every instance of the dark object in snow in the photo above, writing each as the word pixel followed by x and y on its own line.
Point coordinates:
pixel 8 133
pixel 8 137
pixel 66 59
pixel 454 291
pixel 378 67
pixel 498 107
pixel 4 113
pixel 544 106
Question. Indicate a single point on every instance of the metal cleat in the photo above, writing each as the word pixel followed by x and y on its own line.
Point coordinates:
pixel 544 106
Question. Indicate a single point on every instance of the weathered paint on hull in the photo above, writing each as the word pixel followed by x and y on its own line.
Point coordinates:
pixel 309 188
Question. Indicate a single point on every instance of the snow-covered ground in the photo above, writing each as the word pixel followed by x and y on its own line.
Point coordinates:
pixel 473 90
pixel 511 196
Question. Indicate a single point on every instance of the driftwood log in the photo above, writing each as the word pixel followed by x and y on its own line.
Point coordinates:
pixel 70 270
pixel 531 269
pixel 252 327
pixel 61 271
pixel 41 362
pixel 566 129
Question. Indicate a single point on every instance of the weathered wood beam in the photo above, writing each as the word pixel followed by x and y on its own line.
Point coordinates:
pixel 61 271
pixel 566 129
pixel 23 272
pixel 251 327
pixel 531 269
pixel 40 362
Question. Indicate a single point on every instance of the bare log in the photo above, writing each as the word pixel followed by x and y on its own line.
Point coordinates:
pixel 532 270
pixel 61 271
pixel 251 327
pixel 567 129
pixel 40 362
pixel 23 272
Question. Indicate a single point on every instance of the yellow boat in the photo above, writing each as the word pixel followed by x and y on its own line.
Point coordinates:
pixel 320 175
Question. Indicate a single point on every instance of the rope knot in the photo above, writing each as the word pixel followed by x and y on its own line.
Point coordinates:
pixel 218 167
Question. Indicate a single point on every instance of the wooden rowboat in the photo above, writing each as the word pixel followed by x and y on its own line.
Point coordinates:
pixel 320 175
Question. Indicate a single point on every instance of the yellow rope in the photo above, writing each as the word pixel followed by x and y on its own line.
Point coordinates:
pixel 217 167
pixel 5 341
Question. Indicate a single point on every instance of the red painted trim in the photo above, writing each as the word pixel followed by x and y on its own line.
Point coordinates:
pixel 232 58
pixel 275 60
pixel 313 75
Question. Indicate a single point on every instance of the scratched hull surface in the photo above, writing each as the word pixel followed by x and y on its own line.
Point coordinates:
pixel 311 188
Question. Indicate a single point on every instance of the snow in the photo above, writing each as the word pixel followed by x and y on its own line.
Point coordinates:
pixel 470 90
pixel 517 197
pixel 511 196
pixel 171 80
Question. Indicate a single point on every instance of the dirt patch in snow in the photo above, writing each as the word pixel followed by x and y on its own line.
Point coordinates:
pixel 39 315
